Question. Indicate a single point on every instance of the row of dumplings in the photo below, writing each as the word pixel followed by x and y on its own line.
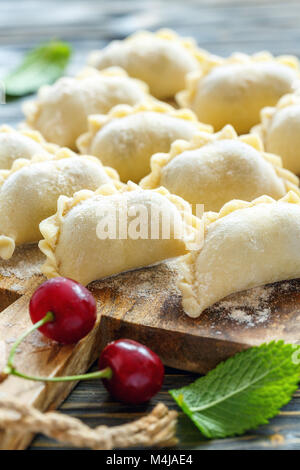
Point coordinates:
pixel 100 139
pixel 238 90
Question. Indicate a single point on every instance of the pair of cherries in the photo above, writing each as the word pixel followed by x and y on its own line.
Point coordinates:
pixel 65 311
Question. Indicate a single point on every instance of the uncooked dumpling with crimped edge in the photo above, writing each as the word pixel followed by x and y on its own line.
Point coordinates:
pixel 161 59
pixel 234 90
pixel 61 110
pixel 21 144
pixel 75 248
pixel 280 130
pixel 127 136
pixel 247 244
pixel 29 192
pixel 212 169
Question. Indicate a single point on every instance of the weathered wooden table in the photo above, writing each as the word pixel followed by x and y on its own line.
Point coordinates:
pixel 221 26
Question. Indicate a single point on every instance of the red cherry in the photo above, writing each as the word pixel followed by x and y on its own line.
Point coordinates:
pixel 72 305
pixel 137 372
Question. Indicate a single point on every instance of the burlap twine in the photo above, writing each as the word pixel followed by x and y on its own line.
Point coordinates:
pixel 155 429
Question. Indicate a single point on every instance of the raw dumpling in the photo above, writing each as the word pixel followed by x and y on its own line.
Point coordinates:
pixel 280 130
pixel 128 136
pixel 246 245
pixel 29 192
pixel 234 90
pixel 95 235
pixel 60 112
pixel 212 169
pixel 24 144
pixel 160 59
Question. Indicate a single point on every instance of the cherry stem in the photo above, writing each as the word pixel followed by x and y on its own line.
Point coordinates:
pixel 46 319
pixel 11 370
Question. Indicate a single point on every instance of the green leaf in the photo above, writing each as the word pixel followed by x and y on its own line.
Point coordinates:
pixel 41 66
pixel 243 392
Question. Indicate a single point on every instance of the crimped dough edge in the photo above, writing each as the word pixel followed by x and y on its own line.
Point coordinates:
pixel 160 160
pixel 7 244
pixel 187 264
pixel 31 134
pixel 50 227
pixel 267 113
pixel 97 121
pixel 187 43
pixel 185 97
pixel 31 109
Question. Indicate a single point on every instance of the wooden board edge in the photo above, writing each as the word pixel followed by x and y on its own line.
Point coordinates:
pixel 205 352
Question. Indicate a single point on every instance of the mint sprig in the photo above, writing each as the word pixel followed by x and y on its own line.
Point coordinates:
pixel 243 392
pixel 41 66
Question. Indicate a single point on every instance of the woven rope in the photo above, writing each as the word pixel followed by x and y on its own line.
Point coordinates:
pixel 155 429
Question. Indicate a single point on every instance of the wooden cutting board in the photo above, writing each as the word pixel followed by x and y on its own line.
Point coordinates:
pixel 143 305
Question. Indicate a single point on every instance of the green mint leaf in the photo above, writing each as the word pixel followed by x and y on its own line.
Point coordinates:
pixel 41 66
pixel 243 392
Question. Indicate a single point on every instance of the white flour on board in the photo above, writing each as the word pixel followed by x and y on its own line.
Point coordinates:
pixel 25 263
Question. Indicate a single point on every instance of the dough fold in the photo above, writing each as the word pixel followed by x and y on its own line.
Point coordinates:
pixel 29 192
pixel 280 130
pixel 128 136
pixel 235 89
pixel 246 244
pixel 160 59
pixel 61 111
pixel 212 169
pixel 75 246
pixel 21 144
